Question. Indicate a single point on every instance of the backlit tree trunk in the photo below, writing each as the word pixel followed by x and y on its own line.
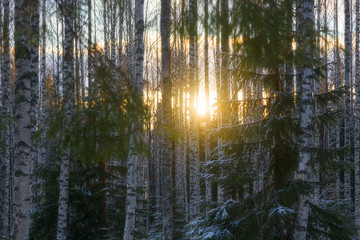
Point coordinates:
pixel 68 101
pixel 194 163
pixel 166 157
pixel 306 25
pixel 357 118
pixel 347 107
pixel 6 133
pixel 25 52
pixel 135 138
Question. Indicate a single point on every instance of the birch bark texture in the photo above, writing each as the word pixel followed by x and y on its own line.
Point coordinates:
pixel 357 117
pixel 7 110
pixel 134 157
pixel 68 102
pixel 306 31
pixel 44 104
pixel 90 61
pixel 25 73
pixel 166 157
pixel 347 107
pixel 194 164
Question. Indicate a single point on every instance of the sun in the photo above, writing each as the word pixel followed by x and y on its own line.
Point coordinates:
pixel 201 103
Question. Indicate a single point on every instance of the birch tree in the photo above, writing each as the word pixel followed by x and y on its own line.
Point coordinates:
pixel 42 154
pixel 347 107
pixel 306 25
pixel 68 105
pixel 89 65
pixel 112 31
pixel 133 156
pixel 357 117
pixel 166 157
pixel 194 163
pixel 207 93
pixel 34 48
pixel 25 52
pixel 6 133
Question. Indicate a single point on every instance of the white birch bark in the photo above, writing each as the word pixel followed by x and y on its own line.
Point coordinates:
pixel 208 193
pixel 194 163
pixel 134 157
pixel 158 148
pixel 121 26
pixel 68 101
pixel 357 118
pixel 34 105
pixel 105 19
pixel 6 133
pixel 3 160
pixel 112 32
pixel 130 38
pixel 43 98
pixel 166 158
pixel 22 134
pixel 337 85
pixel 90 62
pixel 220 193
pixel 306 25
pixel 347 107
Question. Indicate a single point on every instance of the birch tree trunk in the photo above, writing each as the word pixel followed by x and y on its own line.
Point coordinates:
pixel 112 32
pixel 208 192
pixel 68 101
pixel 357 118
pixel 134 157
pixel 121 19
pixel 106 46
pixel 90 62
pixel 25 73
pixel 337 107
pixel 347 107
pixel 3 161
pixel 130 38
pixel 6 133
pixel 220 193
pixel 43 114
pixel 194 163
pixel 180 173
pixel 34 105
pixel 306 25
pixel 166 158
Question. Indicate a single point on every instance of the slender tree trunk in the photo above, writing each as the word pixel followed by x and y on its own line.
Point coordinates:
pixel 90 62
pixel 6 133
pixel 347 107
pixel 130 42
pixel 58 61
pixel 112 32
pixel 34 105
pixel 68 101
pixel 337 107
pixel 357 118
pixel 25 74
pixel 225 113
pixel 158 148
pixel 306 25
pixel 181 162
pixel 208 186
pixel 166 158
pixel 220 193
pixel 106 46
pixel 134 157
pixel 121 13
pixel 43 99
pixel 194 163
